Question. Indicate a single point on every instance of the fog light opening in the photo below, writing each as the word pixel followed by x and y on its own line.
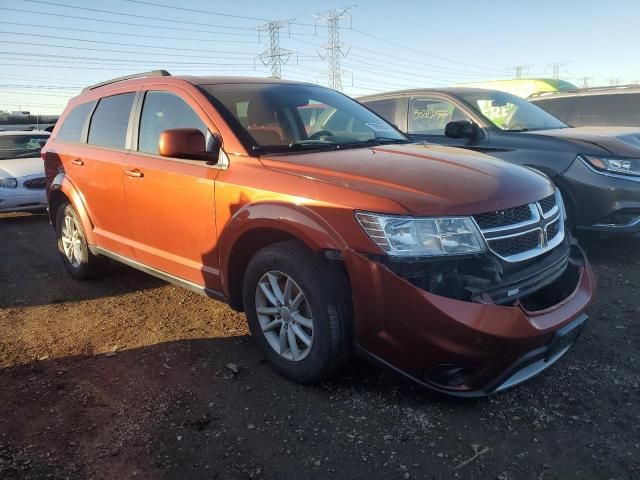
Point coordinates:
pixel 448 375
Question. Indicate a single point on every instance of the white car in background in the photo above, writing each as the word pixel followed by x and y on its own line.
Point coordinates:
pixel 22 179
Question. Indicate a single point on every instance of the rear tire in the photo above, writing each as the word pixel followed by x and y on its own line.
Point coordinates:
pixel 299 311
pixel 72 245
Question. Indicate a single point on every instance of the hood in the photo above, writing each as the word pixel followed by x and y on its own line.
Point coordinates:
pixel 423 179
pixel 621 141
pixel 21 167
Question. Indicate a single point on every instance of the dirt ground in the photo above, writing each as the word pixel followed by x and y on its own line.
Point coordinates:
pixel 127 376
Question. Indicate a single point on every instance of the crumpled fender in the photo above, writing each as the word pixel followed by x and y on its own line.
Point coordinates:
pixel 63 184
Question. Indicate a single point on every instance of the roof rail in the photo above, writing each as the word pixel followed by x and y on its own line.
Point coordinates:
pixel 153 73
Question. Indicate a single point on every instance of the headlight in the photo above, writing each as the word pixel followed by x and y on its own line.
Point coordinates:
pixel 422 237
pixel 8 183
pixel 626 166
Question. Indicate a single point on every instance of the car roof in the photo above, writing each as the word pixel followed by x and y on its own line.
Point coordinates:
pixel 421 91
pixel 23 132
pixel 613 90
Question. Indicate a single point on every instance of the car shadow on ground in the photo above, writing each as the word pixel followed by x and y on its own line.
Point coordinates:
pixel 31 272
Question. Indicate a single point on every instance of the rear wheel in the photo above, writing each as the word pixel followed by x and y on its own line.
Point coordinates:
pixel 73 247
pixel 298 311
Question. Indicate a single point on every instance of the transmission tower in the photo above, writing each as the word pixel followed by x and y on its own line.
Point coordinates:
pixel 519 69
pixel 614 81
pixel 334 50
pixel 555 68
pixel 585 81
pixel 274 56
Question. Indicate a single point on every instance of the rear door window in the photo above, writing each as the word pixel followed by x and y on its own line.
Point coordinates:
pixel 429 116
pixel 164 111
pixel 618 109
pixel 73 124
pixel 110 121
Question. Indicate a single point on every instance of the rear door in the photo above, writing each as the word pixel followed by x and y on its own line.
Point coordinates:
pixel 94 165
pixel 170 200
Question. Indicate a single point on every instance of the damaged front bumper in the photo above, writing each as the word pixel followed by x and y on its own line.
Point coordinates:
pixel 489 337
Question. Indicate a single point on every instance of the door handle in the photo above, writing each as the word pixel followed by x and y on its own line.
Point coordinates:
pixel 135 173
pixel 77 161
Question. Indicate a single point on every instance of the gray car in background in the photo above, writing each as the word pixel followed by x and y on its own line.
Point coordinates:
pixel 596 168
pixel 598 106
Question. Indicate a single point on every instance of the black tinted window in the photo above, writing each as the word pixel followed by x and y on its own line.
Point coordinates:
pixel 164 111
pixel 71 128
pixel 558 107
pixel 385 108
pixel 620 109
pixel 110 120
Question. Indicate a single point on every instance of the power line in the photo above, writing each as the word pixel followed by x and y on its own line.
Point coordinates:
pixel 334 50
pixel 197 11
pixel 116 22
pixel 161 47
pixel 128 15
pixel 399 45
pixel 122 51
pixel 128 34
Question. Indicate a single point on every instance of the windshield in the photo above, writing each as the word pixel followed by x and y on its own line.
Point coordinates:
pixel 272 118
pixel 21 146
pixel 511 113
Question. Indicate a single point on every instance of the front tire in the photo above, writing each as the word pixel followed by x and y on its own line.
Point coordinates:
pixel 299 311
pixel 72 245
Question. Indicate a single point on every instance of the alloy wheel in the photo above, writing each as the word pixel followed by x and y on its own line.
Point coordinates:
pixel 284 315
pixel 71 240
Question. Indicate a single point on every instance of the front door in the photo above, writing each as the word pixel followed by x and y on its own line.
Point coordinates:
pixel 171 201
pixel 428 117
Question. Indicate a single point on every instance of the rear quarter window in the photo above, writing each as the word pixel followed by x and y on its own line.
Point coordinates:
pixel 560 108
pixel 73 124
pixel 617 110
pixel 110 121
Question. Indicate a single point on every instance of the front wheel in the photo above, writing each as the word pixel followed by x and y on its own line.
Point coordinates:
pixel 73 247
pixel 298 311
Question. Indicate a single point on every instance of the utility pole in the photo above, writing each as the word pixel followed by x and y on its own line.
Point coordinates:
pixel 274 56
pixel 555 67
pixel 334 50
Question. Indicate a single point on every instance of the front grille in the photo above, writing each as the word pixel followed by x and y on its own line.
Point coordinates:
pixel 506 247
pixel 546 204
pixel 35 183
pixel 523 232
pixel 502 218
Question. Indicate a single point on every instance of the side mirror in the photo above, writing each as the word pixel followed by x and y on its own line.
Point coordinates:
pixel 187 143
pixel 461 129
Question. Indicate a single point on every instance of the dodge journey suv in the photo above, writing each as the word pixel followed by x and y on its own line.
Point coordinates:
pixel 445 265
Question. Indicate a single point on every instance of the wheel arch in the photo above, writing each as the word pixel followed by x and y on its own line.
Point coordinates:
pixel 256 226
pixel 62 190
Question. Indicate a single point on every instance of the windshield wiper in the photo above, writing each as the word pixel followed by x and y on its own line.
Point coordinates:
pixel 516 130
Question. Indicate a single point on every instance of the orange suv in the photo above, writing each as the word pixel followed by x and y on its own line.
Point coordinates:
pixel 448 266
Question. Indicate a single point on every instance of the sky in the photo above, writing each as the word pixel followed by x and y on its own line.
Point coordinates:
pixel 50 49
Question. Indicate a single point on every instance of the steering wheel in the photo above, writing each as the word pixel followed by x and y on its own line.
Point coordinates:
pixel 320 133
